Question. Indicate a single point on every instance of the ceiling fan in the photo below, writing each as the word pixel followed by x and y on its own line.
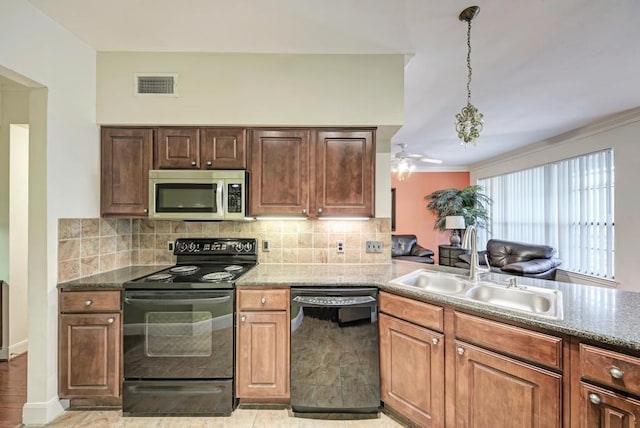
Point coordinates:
pixel 403 163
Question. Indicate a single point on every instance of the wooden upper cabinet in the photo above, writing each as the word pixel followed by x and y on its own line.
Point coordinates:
pixel 126 158
pixel 345 173
pixel 177 148
pixel 280 172
pixel 223 148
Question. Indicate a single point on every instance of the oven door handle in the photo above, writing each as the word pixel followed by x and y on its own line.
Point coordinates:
pixel 334 301
pixel 178 301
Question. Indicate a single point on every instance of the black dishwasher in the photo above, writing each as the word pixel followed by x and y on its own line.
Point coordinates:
pixel 334 352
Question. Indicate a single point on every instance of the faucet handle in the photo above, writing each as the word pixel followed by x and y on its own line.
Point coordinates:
pixel 512 282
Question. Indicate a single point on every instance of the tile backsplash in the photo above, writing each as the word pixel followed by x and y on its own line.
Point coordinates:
pixel 94 245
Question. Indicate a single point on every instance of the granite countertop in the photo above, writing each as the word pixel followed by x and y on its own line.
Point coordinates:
pixel 112 279
pixel 601 314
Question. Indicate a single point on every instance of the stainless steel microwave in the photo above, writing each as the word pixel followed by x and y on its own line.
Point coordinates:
pixel 197 195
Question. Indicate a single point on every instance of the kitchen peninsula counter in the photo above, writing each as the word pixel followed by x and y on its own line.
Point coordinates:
pixel 596 313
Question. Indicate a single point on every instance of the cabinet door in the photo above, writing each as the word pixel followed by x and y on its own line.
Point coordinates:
pixel 279 172
pixel 223 148
pixel 494 391
pixel 262 369
pixel 601 408
pixel 345 173
pixel 89 355
pixel 177 148
pixel 412 371
pixel 126 158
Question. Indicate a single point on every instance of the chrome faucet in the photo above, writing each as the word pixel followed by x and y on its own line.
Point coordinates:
pixel 469 243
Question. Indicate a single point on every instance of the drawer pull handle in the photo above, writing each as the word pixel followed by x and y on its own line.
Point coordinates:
pixel 243 318
pixel 111 320
pixel 594 399
pixel 460 350
pixel 434 341
pixel 263 300
pixel 616 373
pixel 88 302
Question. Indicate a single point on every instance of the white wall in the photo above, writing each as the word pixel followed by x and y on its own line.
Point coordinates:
pixel 621 133
pixel 64 160
pixel 254 89
pixel 18 238
pixel 14 108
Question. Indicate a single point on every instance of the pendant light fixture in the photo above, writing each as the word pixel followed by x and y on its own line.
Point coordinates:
pixel 469 121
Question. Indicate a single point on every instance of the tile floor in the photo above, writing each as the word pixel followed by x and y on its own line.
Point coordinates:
pixel 241 418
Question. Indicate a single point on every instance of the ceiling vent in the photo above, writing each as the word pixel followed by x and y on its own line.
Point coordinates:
pixel 163 84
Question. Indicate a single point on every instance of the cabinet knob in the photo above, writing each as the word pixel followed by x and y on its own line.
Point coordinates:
pixel 460 350
pixel 111 320
pixel 616 373
pixel 434 341
pixel 243 318
pixel 319 210
pixel 209 163
pixel 304 211
pixel 263 300
pixel 88 302
pixel 594 398
pixel 193 163
pixel 146 210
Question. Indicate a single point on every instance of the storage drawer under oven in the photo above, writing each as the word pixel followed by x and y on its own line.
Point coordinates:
pixel 177 397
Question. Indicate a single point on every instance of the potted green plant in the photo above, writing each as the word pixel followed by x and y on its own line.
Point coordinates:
pixel 469 202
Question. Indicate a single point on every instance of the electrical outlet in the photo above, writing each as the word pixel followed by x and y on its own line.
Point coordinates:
pixel 266 246
pixel 340 246
pixel 170 245
pixel 373 247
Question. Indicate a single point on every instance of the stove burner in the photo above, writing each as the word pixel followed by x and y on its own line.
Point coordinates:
pixel 160 277
pixel 216 276
pixel 233 268
pixel 184 269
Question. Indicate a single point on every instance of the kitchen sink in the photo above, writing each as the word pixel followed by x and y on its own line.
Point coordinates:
pixel 532 300
pixel 537 301
pixel 436 282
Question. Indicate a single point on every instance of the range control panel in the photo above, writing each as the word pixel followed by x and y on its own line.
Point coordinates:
pixel 215 246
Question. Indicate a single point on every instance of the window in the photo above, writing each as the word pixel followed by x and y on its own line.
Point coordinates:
pixel 566 204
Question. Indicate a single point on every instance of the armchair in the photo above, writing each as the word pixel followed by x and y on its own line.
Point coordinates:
pixel 517 258
pixel 406 247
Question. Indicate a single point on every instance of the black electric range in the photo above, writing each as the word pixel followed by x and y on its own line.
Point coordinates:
pixel 178 331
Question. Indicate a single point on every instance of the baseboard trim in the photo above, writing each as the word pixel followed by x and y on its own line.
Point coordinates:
pixel 18 349
pixel 38 414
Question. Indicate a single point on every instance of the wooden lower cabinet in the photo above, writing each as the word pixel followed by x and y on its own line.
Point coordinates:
pixel 495 391
pixel 601 408
pixel 262 345
pixel 412 371
pixel 90 347
pixel 89 355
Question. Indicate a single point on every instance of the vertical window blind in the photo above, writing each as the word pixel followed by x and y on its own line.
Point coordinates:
pixel 566 204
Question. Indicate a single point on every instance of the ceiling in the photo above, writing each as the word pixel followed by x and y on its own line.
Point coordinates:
pixel 540 67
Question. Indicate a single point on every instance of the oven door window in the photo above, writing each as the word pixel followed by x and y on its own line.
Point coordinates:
pixel 187 197
pixel 178 334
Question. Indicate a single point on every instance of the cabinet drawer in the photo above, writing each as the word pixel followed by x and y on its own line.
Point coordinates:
pixel 610 368
pixel 518 342
pixel 420 313
pixel 90 301
pixel 262 299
